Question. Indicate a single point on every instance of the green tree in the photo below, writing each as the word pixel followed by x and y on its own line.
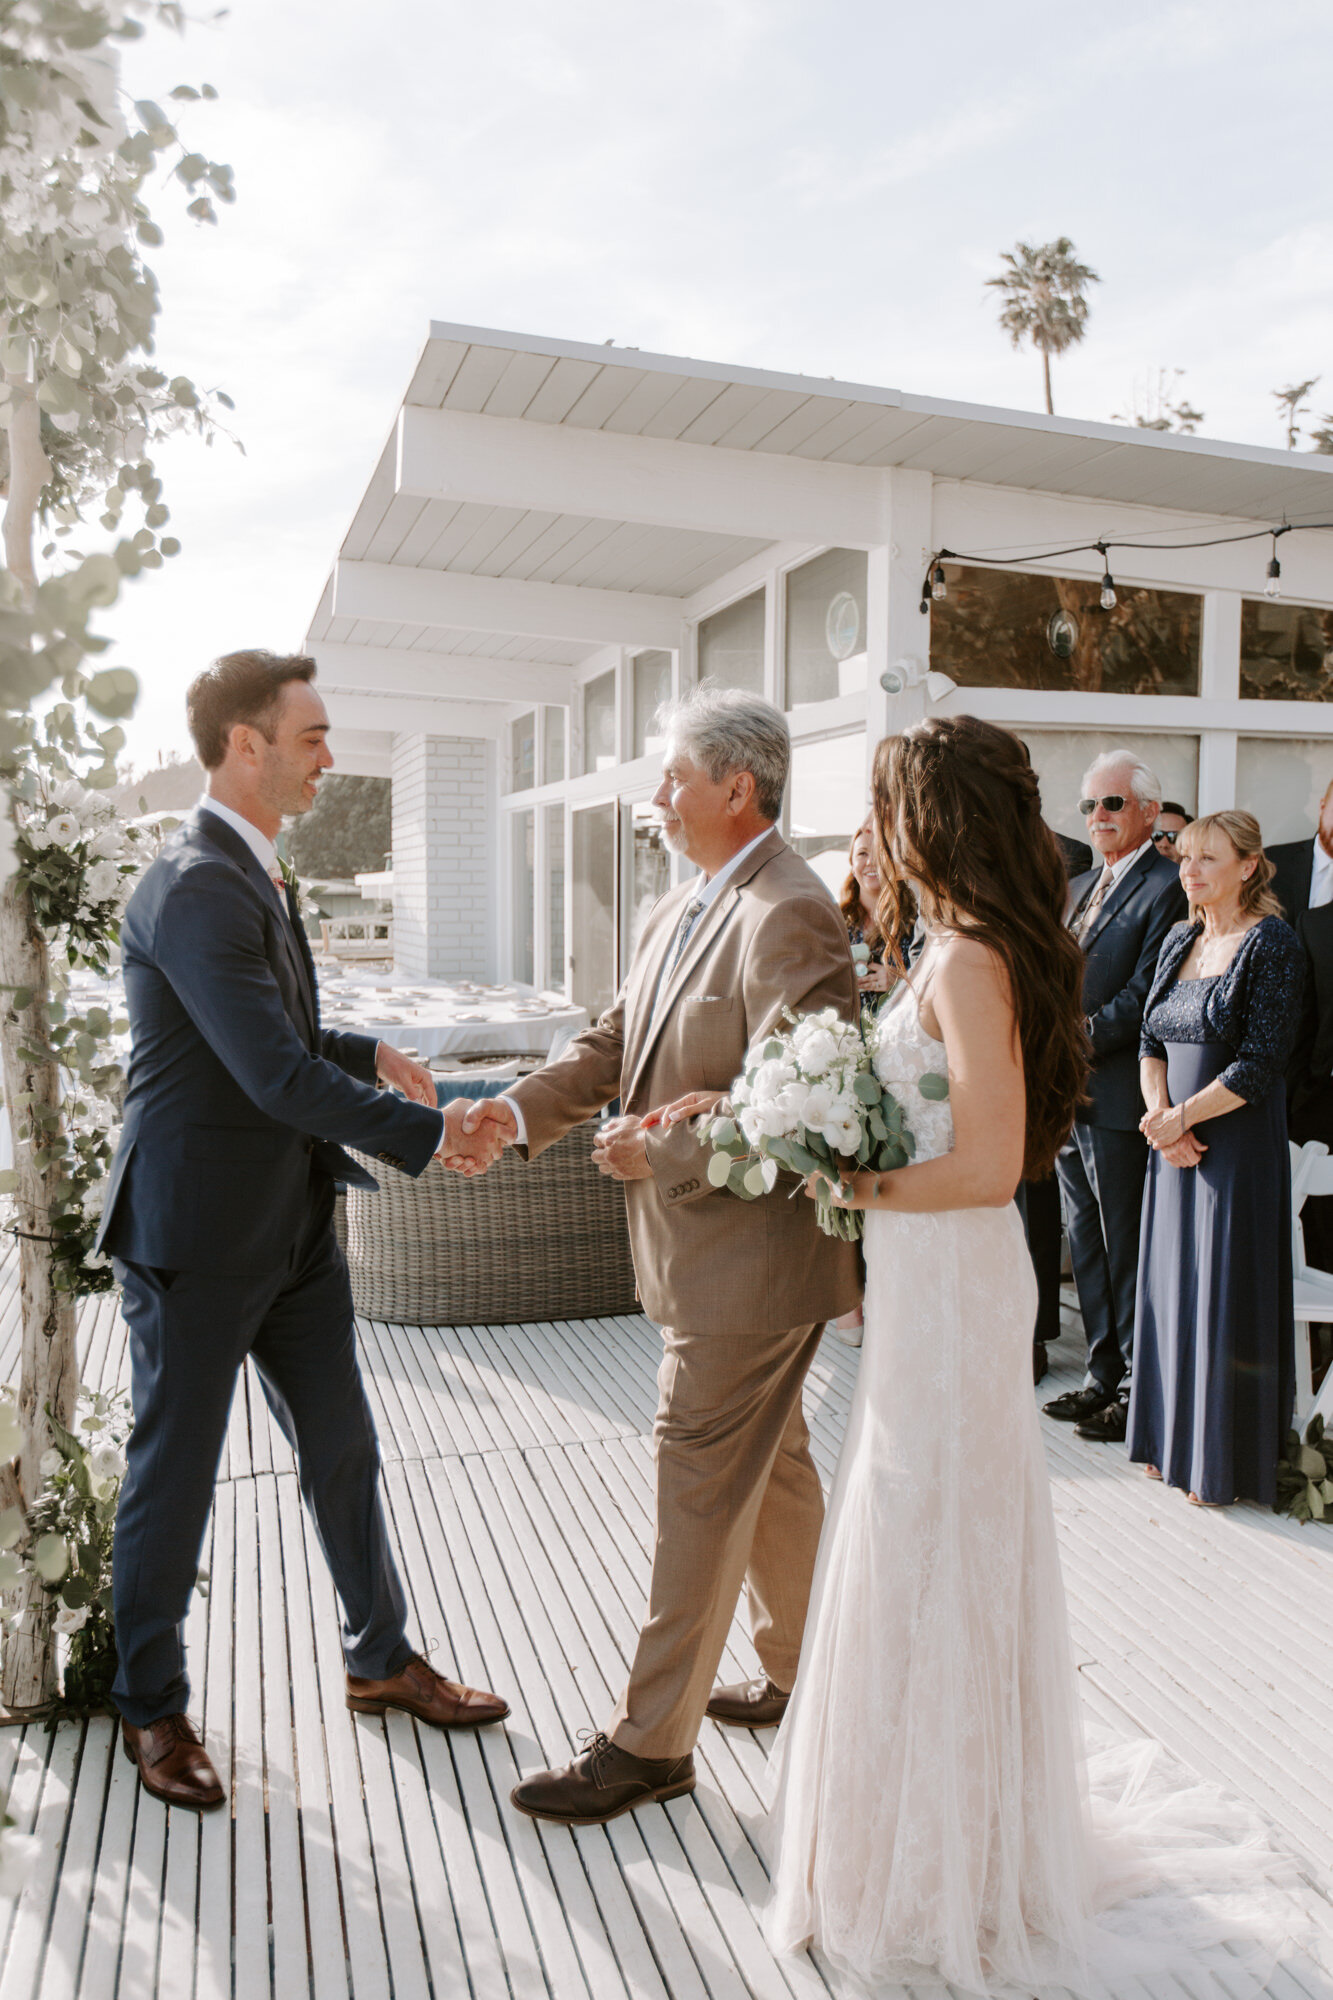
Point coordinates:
pixel 346 832
pixel 82 403
pixel 1043 286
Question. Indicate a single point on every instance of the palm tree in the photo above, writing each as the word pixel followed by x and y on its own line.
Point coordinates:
pixel 1043 286
pixel 1291 407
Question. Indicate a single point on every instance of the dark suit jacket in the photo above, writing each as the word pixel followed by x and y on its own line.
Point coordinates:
pixel 236 1094
pixel 1310 1072
pixel 1121 952
pixel 1294 862
pixel 1076 854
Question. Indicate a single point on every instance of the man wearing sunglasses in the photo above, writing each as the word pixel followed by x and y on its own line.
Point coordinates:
pixel 1171 823
pixel 1120 911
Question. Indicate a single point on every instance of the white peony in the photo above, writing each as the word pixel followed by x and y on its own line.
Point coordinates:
pixel 64 830
pixel 106 1461
pixel 771 1077
pixel 101 881
pixel 816 1049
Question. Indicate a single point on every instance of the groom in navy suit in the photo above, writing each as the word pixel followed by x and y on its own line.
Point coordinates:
pixel 219 1218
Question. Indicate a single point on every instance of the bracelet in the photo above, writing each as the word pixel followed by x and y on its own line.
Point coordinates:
pixel 1183 1127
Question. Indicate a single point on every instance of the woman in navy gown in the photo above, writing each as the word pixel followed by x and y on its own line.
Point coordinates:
pixel 1214 1350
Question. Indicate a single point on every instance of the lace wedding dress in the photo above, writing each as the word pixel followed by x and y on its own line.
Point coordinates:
pixel 929 1803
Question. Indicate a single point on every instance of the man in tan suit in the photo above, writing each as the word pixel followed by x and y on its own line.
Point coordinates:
pixel 742 1289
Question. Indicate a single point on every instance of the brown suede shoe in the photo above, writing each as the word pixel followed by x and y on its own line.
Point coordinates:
pixel 753 1704
pixel 602 1782
pixel 419 1690
pixel 173 1764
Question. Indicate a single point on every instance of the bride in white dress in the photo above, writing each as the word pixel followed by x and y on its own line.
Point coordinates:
pixel 928 1804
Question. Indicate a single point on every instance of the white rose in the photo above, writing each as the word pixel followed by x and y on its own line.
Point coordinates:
pixel 94 1199
pixel 818 1106
pixel 844 1138
pixel 101 881
pixel 770 1078
pixel 64 830
pixel 773 1121
pixel 106 1461
pixel 816 1049
pixel 36 837
pixel 750 1125
pixel 107 844
pixel 50 1463
pixel 71 1621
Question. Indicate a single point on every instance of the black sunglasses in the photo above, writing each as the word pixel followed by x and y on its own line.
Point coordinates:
pixel 1169 837
pixel 1113 802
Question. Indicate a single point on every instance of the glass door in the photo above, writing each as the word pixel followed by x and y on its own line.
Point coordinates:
pixel 592 957
pixel 646 873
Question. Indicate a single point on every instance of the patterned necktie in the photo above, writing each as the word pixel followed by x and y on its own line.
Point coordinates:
pixel 1087 916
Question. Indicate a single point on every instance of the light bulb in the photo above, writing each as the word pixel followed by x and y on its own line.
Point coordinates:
pixel 938 587
pixel 1108 593
pixel 1272 588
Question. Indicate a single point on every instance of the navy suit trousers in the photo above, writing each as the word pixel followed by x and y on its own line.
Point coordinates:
pixel 1101 1174
pixel 190 1333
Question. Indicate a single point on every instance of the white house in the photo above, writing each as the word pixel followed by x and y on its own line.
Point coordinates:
pixel 556 536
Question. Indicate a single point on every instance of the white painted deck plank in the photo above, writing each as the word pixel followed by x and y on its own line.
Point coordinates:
pixel 519 1487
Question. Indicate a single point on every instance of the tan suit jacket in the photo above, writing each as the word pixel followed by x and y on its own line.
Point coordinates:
pixel 706 1259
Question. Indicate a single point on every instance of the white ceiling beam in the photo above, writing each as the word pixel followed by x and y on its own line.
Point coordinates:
pixel 456 455
pixel 462 676
pixel 565 611
pixel 403 715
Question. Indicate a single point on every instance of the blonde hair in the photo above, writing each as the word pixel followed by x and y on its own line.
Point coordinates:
pixel 1241 831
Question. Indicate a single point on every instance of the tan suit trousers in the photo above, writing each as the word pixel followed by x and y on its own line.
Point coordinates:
pixel 738 1501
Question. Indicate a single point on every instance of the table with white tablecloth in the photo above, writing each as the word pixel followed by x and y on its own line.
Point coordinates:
pixel 441 1018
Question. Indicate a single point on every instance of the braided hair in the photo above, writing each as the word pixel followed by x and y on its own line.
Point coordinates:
pixel 958 810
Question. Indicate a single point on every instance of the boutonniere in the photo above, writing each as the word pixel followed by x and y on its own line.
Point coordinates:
pixel 289 876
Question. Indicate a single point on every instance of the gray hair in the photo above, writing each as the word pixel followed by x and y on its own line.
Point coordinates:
pixel 1144 782
pixel 727 730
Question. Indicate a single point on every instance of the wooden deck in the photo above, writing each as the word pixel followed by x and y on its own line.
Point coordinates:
pixel 372 1859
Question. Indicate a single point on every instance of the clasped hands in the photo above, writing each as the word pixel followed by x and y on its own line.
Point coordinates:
pixel 477 1132
pixel 1165 1132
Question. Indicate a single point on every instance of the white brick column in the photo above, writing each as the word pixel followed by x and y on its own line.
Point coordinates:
pixel 441 858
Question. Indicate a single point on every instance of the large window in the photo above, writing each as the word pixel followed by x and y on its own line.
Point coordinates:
pixel 1281 779
pixel 592 959
pixel 731 645
pixel 523 753
pixel 599 723
pixel 1286 652
pixel 1003 628
pixel 1061 756
pixel 553 745
pixel 647 869
pixel 828 802
pixel 554 956
pixel 826 627
pixel 652 686
pixel 521 834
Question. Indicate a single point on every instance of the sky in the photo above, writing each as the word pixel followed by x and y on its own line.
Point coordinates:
pixel 820 186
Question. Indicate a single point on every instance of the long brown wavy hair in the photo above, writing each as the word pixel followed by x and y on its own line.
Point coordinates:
pixel 958 810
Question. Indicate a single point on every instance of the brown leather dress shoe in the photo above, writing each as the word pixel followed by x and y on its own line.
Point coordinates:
pixel 602 1782
pixel 173 1764
pixel 419 1690
pixel 753 1704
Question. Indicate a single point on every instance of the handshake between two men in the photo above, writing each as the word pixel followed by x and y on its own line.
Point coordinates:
pixel 477 1130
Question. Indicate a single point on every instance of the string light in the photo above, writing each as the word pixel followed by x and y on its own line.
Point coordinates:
pixel 933 582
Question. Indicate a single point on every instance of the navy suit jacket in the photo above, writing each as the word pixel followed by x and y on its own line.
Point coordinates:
pixel 1293 865
pixel 1121 952
pixel 236 1094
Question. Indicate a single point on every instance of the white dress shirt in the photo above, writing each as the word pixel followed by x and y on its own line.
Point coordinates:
pixel 1321 876
pixel 1126 861
pixel 704 894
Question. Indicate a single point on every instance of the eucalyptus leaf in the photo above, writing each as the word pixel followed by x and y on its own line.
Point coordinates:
pixel 933 1087
pixel 719 1170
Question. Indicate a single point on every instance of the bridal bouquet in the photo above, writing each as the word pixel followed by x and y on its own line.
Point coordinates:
pixel 808 1102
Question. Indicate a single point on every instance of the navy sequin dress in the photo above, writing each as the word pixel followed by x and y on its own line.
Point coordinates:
pixel 1214 1353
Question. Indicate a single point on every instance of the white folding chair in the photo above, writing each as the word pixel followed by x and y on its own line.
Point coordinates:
pixel 1312 1290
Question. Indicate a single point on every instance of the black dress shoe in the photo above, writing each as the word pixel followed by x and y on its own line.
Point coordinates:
pixel 1076 1403
pixel 753 1704
pixel 1106 1426
pixel 1040 1364
pixel 602 1782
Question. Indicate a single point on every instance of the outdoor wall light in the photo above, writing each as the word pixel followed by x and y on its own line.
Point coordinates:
pixel 909 673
